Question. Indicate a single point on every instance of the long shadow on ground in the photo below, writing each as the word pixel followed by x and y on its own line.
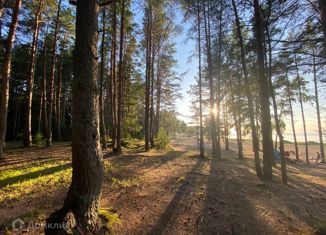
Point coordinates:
pixel 189 184
pixel 226 209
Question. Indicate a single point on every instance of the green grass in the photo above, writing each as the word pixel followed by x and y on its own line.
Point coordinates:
pixel 12 176
pixel 110 217
pixel 181 179
pixel 39 179
pixel 124 183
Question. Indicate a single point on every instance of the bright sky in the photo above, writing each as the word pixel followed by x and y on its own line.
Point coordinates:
pixel 185 49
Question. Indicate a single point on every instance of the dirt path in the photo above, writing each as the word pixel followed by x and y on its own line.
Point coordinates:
pixel 179 193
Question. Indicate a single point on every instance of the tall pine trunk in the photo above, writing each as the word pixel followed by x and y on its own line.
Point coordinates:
pixel 43 97
pixel 219 80
pixel 27 139
pixel 210 78
pixel 101 83
pixel 151 121
pixel 158 93
pixel 114 78
pixel 6 69
pixel 236 122
pixel 266 125
pixel 121 78
pixel 58 94
pixel 148 74
pixel 226 127
pixel 276 116
pixel 302 111
pixel 289 96
pixel 201 132
pixel 85 190
pixel 320 130
pixel 52 74
pixel 255 141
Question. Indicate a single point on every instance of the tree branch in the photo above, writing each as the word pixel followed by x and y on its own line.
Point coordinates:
pixel 101 4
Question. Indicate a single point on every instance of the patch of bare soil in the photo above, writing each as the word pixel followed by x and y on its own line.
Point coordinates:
pixel 179 193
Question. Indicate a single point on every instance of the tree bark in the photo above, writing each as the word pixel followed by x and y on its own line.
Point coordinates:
pixel 101 82
pixel 148 75
pixel 6 69
pixel 238 130
pixel 201 134
pixel 52 74
pixel 226 127
pixel 218 93
pixel 113 77
pixel 27 139
pixel 276 116
pixel 151 121
pixel 58 95
pixel 121 78
pixel 302 111
pixel 211 82
pixel 292 119
pixel 43 108
pixel 320 130
pixel 158 93
pixel 266 125
pixel 255 141
pixel 85 189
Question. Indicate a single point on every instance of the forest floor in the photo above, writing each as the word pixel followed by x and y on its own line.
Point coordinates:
pixel 173 192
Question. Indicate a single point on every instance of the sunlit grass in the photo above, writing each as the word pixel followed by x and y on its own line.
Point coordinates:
pixel 124 183
pixel 117 177
pixel 181 179
pixel 110 217
pixel 40 179
pixel 29 169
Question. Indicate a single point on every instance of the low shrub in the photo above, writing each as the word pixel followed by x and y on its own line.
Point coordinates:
pixel 161 140
pixel 39 139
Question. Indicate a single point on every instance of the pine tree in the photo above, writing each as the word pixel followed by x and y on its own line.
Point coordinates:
pixel 6 69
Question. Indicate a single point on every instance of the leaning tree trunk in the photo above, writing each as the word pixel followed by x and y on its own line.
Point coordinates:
pixel 266 124
pixel 85 190
pixel 201 134
pixel 255 141
pixel 320 130
pixel 30 77
pixel 6 66
pixel 52 73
